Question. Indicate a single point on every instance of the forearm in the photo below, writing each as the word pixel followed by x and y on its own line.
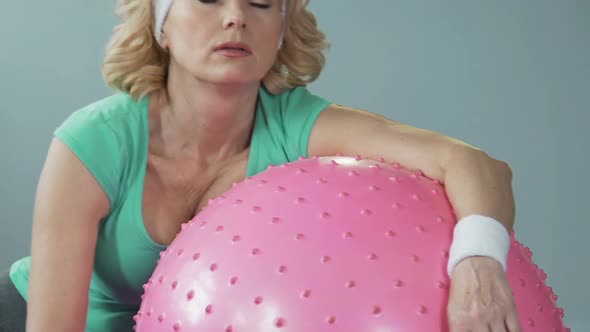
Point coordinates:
pixel 61 265
pixel 475 183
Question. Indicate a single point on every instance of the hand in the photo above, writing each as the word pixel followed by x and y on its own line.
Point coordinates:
pixel 480 298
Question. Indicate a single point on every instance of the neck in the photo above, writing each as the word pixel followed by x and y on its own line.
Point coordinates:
pixel 210 121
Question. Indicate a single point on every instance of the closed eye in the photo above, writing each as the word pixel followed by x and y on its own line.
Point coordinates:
pixel 260 5
pixel 253 4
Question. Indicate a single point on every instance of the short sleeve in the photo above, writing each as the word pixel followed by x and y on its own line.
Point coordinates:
pixel 299 111
pixel 90 137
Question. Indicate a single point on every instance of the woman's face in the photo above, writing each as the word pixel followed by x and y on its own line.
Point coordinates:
pixel 195 32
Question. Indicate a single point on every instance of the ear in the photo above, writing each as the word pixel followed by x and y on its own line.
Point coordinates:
pixel 164 42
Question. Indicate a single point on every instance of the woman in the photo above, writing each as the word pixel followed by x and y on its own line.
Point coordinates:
pixel 210 92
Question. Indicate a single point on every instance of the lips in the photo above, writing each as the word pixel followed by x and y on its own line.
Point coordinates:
pixel 234 47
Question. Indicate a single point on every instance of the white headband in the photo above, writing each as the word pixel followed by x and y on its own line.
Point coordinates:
pixel 161 11
pixel 161 8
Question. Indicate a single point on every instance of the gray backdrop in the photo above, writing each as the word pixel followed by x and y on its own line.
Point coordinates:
pixel 512 77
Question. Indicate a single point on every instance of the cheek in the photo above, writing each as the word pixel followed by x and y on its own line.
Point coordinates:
pixel 267 54
pixel 269 41
pixel 190 44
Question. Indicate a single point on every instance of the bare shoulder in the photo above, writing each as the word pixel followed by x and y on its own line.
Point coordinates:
pixel 65 180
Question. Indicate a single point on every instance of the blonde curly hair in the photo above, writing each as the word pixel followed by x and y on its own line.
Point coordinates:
pixel 136 64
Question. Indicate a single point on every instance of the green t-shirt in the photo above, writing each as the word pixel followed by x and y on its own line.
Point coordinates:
pixel 110 137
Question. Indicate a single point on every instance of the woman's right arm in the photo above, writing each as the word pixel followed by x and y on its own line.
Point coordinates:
pixel 69 205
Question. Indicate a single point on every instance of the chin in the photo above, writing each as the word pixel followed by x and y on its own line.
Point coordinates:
pixel 234 78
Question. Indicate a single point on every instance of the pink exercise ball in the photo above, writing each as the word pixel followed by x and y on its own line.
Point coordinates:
pixel 324 244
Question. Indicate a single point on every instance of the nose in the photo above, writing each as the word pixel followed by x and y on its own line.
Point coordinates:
pixel 235 17
pixel 237 22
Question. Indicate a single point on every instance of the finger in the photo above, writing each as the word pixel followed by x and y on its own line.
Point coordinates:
pixel 459 326
pixel 498 326
pixel 513 323
pixel 479 327
pixel 453 327
pixel 482 328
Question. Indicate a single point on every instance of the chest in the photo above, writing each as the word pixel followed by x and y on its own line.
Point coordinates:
pixel 175 192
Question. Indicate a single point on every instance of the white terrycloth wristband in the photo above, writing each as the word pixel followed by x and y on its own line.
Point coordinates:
pixel 478 235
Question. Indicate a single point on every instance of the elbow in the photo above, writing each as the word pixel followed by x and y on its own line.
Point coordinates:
pixel 501 167
pixel 461 155
pixel 505 169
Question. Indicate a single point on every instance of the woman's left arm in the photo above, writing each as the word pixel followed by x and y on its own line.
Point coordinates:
pixel 475 183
